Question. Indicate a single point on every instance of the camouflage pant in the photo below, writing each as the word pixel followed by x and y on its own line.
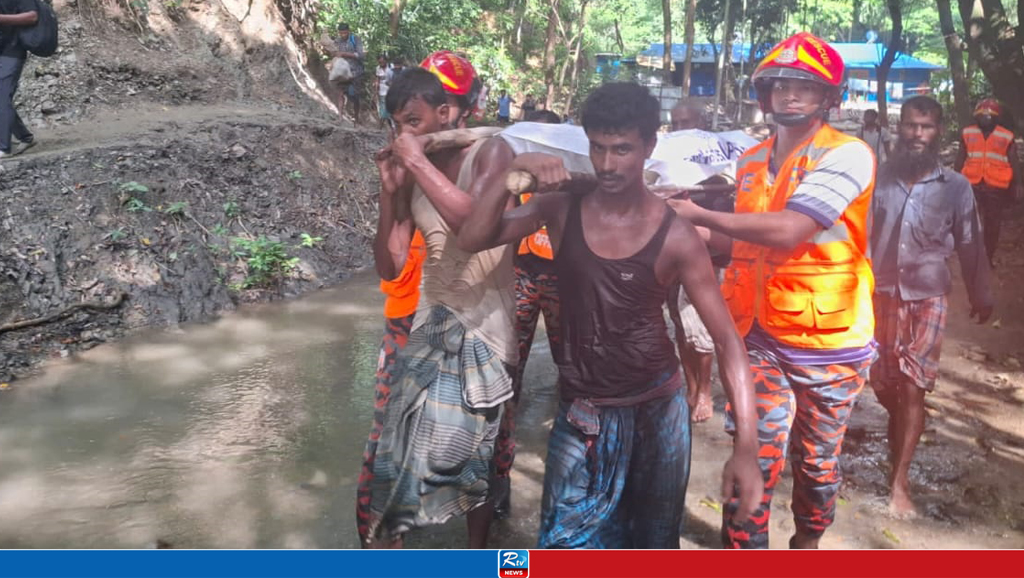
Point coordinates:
pixel 803 411
pixel 396 335
pixel 535 293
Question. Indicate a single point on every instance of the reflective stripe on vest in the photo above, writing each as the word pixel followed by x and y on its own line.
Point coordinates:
pixel 987 158
pixel 539 243
pixel 817 295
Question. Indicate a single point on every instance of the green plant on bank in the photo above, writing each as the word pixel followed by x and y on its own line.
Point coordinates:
pixel 116 235
pixel 219 229
pixel 310 241
pixel 267 261
pixel 135 204
pixel 176 208
pixel 133 187
pixel 231 209
pixel 295 175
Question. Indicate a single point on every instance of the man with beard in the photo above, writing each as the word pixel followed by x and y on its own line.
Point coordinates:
pixel 922 212
pixel 988 158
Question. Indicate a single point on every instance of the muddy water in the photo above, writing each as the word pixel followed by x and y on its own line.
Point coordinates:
pixel 248 433
pixel 244 433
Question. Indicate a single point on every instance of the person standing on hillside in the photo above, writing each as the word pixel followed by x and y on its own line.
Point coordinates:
pixel 382 80
pixel 876 136
pixel 14 14
pixel 922 213
pixel 350 47
pixel 988 158
pixel 505 103
pixel 529 105
pixel 799 284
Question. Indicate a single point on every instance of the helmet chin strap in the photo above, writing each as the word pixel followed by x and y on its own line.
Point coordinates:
pixel 790 119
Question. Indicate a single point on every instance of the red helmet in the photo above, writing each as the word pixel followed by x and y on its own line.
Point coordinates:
pixel 457 76
pixel 989 106
pixel 803 56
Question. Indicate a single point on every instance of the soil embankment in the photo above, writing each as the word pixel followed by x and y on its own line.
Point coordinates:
pixel 188 161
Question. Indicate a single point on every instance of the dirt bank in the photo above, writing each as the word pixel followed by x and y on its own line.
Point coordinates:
pixel 167 215
pixel 188 160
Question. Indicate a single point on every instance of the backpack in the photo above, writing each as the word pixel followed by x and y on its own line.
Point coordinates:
pixel 41 38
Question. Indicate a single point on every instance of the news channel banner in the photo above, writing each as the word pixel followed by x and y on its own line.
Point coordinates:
pixel 266 563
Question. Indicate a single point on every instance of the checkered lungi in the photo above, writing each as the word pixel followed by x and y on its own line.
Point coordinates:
pixel 909 335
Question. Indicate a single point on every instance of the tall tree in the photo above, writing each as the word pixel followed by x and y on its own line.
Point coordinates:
pixel 394 17
pixel 549 52
pixel 895 46
pixel 961 92
pixel 724 59
pixel 998 49
pixel 691 14
pixel 666 59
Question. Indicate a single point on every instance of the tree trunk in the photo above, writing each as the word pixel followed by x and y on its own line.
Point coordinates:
pixel 574 84
pixel 395 17
pixel 666 58
pixel 575 51
pixel 895 45
pixel 520 19
pixel 549 52
pixel 618 39
pixel 724 59
pixel 997 49
pixel 855 22
pixel 961 92
pixel 691 11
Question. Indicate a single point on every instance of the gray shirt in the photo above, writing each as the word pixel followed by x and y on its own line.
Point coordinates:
pixel 915 230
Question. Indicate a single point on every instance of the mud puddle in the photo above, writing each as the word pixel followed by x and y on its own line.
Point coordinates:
pixel 248 433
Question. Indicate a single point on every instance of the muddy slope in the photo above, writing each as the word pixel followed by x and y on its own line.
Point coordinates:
pixel 165 218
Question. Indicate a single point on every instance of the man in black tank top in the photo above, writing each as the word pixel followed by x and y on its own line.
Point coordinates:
pixel 619 454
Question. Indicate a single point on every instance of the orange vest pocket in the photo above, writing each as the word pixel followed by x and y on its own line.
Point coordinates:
pixel 788 309
pixel 835 310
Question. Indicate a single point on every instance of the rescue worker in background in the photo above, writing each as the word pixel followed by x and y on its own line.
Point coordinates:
pixel 988 158
pixel 536 292
pixel 402 293
pixel 799 284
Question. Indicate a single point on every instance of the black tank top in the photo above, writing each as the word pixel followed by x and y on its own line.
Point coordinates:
pixel 614 338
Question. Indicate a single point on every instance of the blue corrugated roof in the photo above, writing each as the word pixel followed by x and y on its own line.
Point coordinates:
pixel 855 55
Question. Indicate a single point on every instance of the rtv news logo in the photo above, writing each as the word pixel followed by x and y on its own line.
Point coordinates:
pixel 513 563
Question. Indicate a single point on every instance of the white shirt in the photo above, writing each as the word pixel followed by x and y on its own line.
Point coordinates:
pixel 384 76
pixel 876 140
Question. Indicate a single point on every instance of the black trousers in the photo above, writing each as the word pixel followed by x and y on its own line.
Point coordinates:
pixel 10 122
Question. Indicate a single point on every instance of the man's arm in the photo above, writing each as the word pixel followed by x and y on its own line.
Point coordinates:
pixel 742 475
pixel 22 19
pixel 780 230
pixel 817 203
pixel 970 249
pixel 490 225
pixel 394 221
pixel 1017 181
pixel 961 155
pixel 886 141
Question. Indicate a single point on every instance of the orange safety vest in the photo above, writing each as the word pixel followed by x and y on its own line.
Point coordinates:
pixel 817 295
pixel 987 158
pixel 539 243
pixel 403 292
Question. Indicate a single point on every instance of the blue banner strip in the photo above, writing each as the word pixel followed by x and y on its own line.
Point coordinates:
pixel 249 563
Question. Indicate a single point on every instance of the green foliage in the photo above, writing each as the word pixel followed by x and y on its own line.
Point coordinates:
pixel 176 208
pixel 267 261
pixel 133 187
pixel 231 209
pixel 135 204
pixel 295 175
pixel 219 229
pixel 116 235
pixel 309 241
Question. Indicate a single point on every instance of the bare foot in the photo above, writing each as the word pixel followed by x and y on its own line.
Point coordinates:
pixel 900 504
pixel 703 409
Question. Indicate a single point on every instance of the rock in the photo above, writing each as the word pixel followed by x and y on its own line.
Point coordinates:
pixel 48 107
